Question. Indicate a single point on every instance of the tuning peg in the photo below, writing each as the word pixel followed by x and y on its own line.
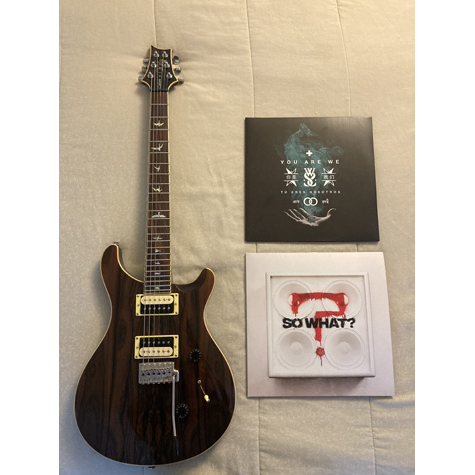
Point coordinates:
pixel 176 60
pixel 144 68
pixel 177 69
pixel 140 78
pixel 180 80
pixel 146 60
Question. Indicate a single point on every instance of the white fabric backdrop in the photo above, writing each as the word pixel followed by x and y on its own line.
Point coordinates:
pixel 240 58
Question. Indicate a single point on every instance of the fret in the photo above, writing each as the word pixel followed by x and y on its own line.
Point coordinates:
pixel 157 291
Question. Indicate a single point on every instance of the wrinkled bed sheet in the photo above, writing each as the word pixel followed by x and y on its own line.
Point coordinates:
pixel 239 58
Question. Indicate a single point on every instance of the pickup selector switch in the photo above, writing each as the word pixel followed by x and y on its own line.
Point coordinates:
pixel 195 355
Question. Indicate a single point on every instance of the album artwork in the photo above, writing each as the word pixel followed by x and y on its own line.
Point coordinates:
pixel 310 179
pixel 318 324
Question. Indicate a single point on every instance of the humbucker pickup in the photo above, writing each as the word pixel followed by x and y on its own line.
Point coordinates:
pixel 156 346
pixel 156 305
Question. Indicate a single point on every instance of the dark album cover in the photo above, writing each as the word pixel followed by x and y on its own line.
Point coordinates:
pixel 310 179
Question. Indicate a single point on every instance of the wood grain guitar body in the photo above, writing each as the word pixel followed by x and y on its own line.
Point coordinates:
pixel 141 424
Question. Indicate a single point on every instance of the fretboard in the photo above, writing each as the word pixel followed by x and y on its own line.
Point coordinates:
pixel 157 278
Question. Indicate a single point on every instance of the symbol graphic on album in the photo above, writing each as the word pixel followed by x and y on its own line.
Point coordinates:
pixel 328 177
pixel 290 177
pixel 306 218
pixel 158 124
pixel 308 153
pixel 310 177
pixel 341 302
pixel 310 201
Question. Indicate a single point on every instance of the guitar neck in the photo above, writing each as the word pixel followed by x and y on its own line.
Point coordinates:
pixel 157 278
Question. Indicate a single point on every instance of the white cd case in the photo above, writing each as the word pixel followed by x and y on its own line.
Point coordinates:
pixel 318 325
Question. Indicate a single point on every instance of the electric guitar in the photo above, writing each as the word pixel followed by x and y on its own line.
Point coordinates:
pixel 158 389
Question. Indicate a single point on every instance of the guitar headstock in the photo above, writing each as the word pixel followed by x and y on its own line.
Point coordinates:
pixel 160 70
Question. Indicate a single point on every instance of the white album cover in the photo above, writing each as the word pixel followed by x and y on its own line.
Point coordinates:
pixel 318 324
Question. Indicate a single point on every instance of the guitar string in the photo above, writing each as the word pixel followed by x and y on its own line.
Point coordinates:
pixel 152 268
pixel 150 213
pixel 147 215
pixel 165 136
pixel 161 113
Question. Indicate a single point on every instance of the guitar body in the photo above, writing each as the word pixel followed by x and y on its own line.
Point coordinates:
pixel 133 423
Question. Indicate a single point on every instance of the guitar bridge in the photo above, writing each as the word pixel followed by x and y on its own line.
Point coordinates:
pixel 156 305
pixel 158 373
